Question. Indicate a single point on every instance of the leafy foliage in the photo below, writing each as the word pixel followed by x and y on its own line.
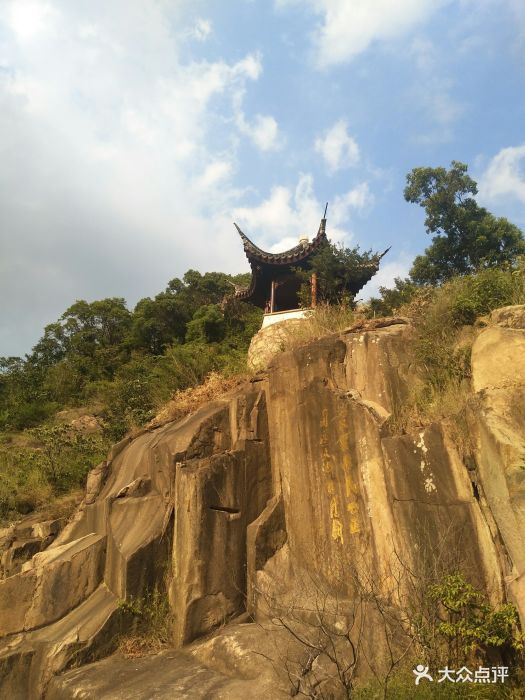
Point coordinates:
pixel 122 364
pixel 337 268
pixel 442 318
pixel 470 623
pixel 457 303
pixel 207 325
pixel 392 299
pixel 129 361
pixel 147 620
pixel 467 236
pixel 64 454
pixel 467 240
pixel 52 460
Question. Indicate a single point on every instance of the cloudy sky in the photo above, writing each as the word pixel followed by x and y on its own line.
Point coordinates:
pixel 134 132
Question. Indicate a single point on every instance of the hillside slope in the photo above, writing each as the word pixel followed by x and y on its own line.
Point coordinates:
pixel 299 486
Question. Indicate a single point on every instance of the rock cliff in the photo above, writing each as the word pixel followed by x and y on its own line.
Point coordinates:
pixel 298 482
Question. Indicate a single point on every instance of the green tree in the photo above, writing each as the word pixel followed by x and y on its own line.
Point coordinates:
pixel 159 322
pixel 469 622
pixel 392 299
pixel 90 334
pixel 207 325
pixel 23 398
pixel 467 237
pixel 98 352
pixel 339 271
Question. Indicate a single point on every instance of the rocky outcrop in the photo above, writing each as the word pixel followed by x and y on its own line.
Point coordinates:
pixel 353 493
pixel 498 424
pixel 236 663
pixel 21 541
pixel 294 486
pixel 212 469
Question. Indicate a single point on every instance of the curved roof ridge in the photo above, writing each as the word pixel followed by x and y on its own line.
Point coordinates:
pixel 287 257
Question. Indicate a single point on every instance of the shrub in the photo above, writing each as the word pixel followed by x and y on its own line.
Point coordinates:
pixel 478 294
pixel 148 624
pixel 470 625
pixel 28 414
pixel 51 461
pixel 443 319
pixel 185 401
pixel 391 300
pixel 64 454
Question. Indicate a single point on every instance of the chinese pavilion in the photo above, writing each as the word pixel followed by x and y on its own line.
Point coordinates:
pixel 274 286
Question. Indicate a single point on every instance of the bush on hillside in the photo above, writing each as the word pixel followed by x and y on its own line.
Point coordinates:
pixel 50 461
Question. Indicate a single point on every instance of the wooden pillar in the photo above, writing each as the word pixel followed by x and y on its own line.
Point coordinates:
pixel 313 284
pixel 272 297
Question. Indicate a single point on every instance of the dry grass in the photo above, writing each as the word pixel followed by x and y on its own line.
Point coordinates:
pixel 47 507
pixel 323 320
pixel 518 293
pixel 148 621
pixel 139 645
pixel 427 405
pixel 185 401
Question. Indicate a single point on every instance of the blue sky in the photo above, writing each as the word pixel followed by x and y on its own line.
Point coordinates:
pixel 133 132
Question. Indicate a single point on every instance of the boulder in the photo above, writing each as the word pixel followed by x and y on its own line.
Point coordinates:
pixel 509 316
pixel 271 341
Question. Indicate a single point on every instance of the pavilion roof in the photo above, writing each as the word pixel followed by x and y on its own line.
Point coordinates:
pixel 262 262
pixel 295 255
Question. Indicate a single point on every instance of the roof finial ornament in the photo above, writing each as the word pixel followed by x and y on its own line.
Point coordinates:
pixel 325 210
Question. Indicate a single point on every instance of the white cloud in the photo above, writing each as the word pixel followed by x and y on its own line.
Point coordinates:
pixel 202 29
pixel 109 183
pixel 250 66
pixel 348 27
pixel 278 222
pixel 263 131
pixel 217 171
pixel 504 177
pixel 432 92
pixel 357 198
pixel 29 18
pixel 388 271
pixel 338 149
pixel 202 80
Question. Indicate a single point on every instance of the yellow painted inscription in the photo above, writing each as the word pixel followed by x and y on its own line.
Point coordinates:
pixel 328 467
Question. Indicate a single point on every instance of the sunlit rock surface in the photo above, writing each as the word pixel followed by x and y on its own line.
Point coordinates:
pixel 498 378
pixel 293 485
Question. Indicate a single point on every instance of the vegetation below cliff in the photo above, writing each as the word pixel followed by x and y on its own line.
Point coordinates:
pixel 114 364
pixel 124 367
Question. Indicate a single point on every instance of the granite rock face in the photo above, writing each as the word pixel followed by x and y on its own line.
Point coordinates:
pixel 21 541
pixel 355 495
pixel 295 484
pixel 498 378
pixel 212 470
